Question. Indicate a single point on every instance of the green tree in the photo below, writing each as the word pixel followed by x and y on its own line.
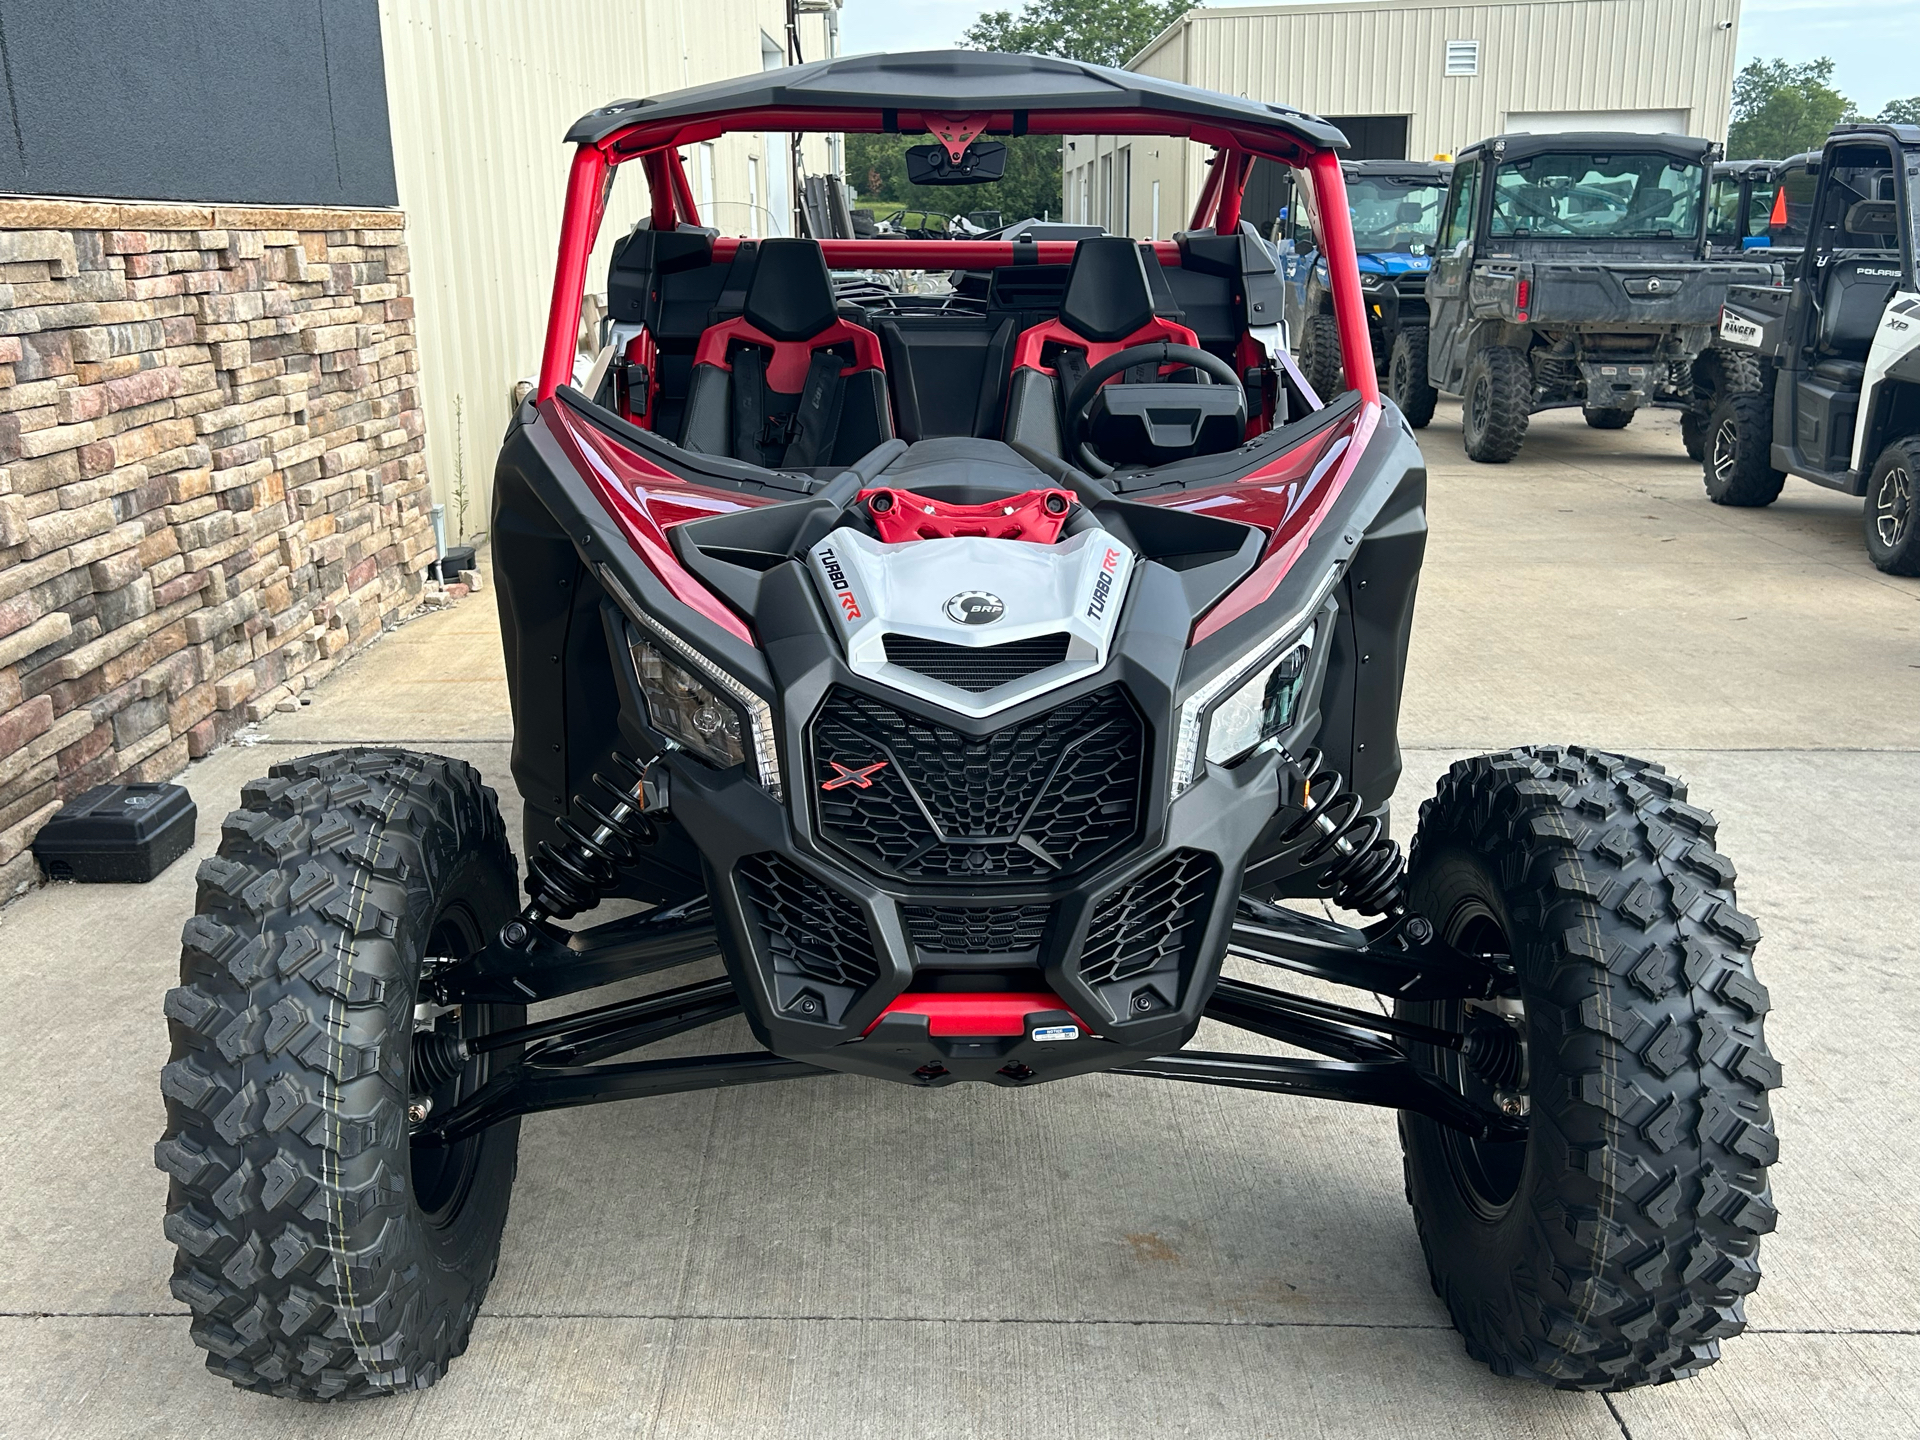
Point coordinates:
pixel 1781 108
pixel 877 172
pixel 1901 112
pixel 1101 32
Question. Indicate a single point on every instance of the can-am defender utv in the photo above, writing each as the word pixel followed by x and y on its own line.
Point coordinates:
pixel 1572 270
pixel 1394 208
pixel 1840 352
pixel 973 766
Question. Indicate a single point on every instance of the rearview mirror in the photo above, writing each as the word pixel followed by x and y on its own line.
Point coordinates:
pixel 981 163
pixel 1409 212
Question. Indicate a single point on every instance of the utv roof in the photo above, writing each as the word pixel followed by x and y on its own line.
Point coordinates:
pixel 1410 169
pixel 1900 134
pixel 1769 169
pixel 1524 144
pixel 953 82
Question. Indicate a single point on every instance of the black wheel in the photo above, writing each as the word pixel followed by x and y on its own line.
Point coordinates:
pixel 1892 519
pixel 1610 419
pixel 1407 377
pixel 1498 403
pixel 1739 462
pixel 323 1255
pixel 1615 1245
pixel 1321 361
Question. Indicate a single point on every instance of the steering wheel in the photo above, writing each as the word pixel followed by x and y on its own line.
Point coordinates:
pixel 1160 353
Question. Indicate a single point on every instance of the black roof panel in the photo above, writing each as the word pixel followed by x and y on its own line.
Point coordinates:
pixel 1520 146
pixel 1441 170
pixel 954 82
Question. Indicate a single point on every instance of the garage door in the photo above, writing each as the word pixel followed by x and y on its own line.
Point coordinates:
pixel 1640 122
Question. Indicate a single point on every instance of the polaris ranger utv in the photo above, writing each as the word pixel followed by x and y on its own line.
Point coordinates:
pixel 1839 350
pixel 970 767
pixel 1395 216
pixel 1571 270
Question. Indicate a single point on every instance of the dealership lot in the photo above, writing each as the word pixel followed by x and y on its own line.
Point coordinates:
pixel 1106 1257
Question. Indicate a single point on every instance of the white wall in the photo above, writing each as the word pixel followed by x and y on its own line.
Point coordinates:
pixel 1608 58
pixel 479 94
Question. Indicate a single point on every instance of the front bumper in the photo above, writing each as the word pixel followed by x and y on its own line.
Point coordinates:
pixel 821 944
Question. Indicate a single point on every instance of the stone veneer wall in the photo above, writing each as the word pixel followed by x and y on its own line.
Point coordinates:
pixel 212 485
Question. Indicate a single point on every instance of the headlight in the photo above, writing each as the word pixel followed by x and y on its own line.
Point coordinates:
pixel 686 711
pixel 696 704
pixel 1262 707
pixel 1371 281
pixel 1234 709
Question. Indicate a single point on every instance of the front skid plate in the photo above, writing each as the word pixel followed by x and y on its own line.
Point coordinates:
pixel 899 1047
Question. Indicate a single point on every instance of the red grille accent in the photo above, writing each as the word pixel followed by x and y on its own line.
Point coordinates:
pixel 902 515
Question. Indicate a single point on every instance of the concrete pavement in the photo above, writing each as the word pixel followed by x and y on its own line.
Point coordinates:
pixel 1106 1257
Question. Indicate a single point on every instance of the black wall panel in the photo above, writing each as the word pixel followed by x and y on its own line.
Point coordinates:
pixel 271 102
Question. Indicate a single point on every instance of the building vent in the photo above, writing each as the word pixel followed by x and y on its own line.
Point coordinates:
pixel 1463 57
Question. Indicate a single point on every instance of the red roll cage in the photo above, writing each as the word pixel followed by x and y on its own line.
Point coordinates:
pixel 1235 147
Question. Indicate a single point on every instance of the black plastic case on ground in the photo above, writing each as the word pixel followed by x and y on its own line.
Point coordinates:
pixel 458 557
pixel 117 834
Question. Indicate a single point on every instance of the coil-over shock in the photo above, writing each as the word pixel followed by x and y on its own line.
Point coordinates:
pixel 564 879
pixel 1359 868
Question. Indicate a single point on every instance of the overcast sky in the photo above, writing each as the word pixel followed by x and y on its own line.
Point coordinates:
pixel 1872 42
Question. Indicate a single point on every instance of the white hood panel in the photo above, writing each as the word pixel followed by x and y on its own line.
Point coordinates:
pixel 922 588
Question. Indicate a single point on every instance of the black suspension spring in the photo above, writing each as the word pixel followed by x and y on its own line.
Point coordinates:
pixel 1360 869
pixel 567 878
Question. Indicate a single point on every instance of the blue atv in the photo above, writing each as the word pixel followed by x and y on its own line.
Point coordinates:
pixel 1395 206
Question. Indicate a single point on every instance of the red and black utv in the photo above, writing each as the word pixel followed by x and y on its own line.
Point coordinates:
pixel 972 672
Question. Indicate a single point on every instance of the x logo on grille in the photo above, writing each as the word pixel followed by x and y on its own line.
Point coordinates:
pixel 862 777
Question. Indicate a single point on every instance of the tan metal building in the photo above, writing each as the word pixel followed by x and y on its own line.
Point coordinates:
pixel 1409 79
pixel 479 94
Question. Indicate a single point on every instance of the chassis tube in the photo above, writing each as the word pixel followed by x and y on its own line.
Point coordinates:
pixel 1349 309
pixel 586 184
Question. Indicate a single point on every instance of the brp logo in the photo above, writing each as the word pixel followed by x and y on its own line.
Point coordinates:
pixel 975 607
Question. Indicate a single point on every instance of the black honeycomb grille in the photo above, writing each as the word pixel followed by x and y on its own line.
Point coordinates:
pixel 1034 800
pixel 807 928
pixel 976 930
pixel 1150 923
pixel 976 669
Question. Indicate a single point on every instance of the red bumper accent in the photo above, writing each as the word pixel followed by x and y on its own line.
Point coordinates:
pixel 991 1012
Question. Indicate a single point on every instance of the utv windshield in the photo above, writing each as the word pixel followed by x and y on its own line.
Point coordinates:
pixel 1598 197
pixel 1391 214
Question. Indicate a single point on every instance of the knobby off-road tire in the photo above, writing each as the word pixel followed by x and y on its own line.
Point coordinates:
pixel 1893 508
pixel 1693 433
pixel 1608 419
pixel 1615 1245
pixel 1497 404
pixel 1407 377
pixel 1718 371
pixel 1321 364
pixel 1738 468
pixel 321 1255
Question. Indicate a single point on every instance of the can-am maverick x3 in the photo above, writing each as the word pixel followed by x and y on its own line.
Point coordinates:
pixel 972 672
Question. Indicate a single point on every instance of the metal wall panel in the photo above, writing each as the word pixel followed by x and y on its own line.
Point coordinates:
pixel 1371 58
pixel 479 95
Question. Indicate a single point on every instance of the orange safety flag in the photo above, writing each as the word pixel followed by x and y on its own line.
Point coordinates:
pixel 1779 216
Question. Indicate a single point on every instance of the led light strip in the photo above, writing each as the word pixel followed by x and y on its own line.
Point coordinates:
pixel 1193 714
pixel 766 756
